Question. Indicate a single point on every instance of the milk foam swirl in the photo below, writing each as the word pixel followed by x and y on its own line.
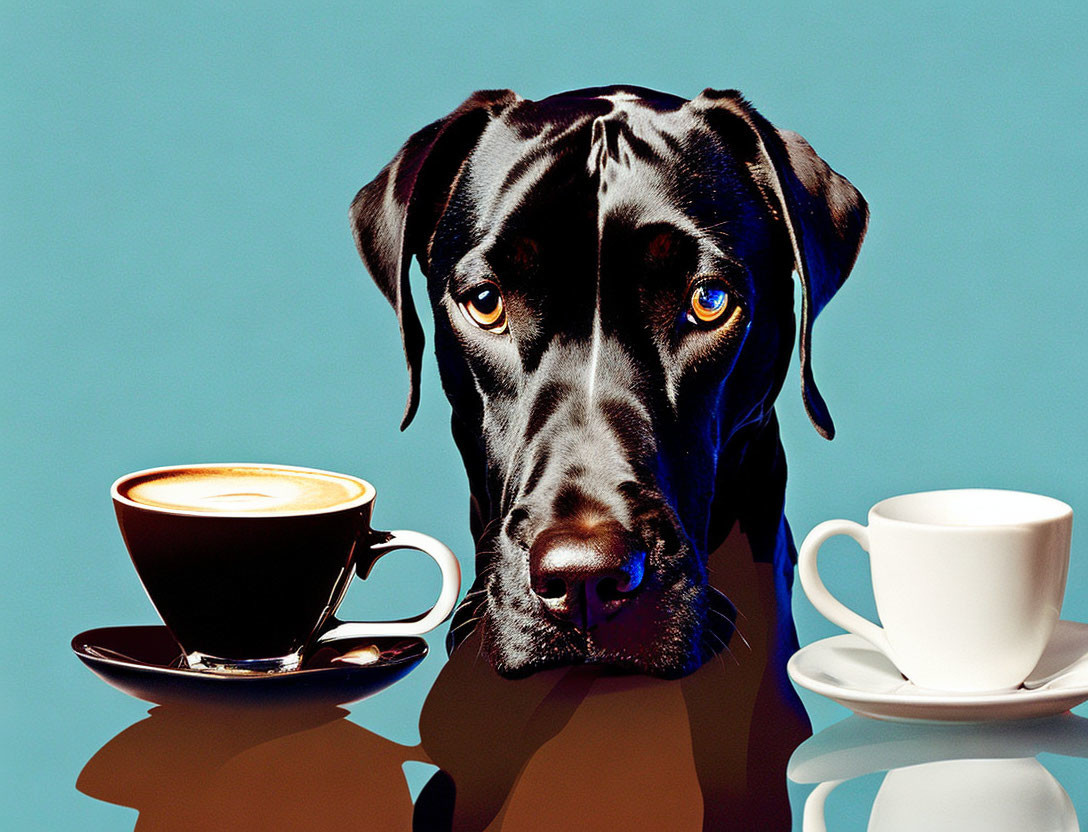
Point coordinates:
pixel 243 490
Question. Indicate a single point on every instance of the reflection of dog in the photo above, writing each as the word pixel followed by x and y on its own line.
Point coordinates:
pixel 610 275
pixel 705 752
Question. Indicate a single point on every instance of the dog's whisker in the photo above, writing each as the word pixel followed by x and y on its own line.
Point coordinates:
pixel 710 651
pixel 724 646
pixel 463 624
pixel 470 600
pixel 735 627
pixel 737 631
pixel 716 637
pixel 483 578
pixel 479 651
pixel 475 614
pixel 721 661
pixel 725 618
pixel 491 526
pixel 474 597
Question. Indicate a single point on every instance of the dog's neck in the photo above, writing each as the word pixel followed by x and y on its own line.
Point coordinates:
pixel 750 490
pixel 481 512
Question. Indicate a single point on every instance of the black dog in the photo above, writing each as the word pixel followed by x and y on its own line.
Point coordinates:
pixel 610 272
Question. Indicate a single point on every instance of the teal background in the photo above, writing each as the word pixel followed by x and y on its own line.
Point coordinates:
pixel 180 284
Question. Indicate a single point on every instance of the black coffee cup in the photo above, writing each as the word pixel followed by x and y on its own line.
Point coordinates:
pixel 247 563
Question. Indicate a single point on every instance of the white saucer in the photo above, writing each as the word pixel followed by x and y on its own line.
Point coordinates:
pixel 854 673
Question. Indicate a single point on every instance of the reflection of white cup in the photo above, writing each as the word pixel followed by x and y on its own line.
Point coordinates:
pixel 1000 795
pixel 968 583
pixel 944 776
pixel 968 795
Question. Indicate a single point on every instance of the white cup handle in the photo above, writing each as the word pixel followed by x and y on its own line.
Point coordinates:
pixel 812 818
pixel 447 598
pixel 831 607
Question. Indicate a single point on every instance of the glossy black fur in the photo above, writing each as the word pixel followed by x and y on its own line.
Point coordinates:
pixel 594 211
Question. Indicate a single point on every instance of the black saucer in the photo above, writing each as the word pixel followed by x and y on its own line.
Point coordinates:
pixel 146 662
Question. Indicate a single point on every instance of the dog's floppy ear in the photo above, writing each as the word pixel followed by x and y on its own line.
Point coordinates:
pixel 394 216
pixel 824 214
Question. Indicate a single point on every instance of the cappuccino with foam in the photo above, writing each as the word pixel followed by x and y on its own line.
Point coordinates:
pixel 244 489
pixel 247 563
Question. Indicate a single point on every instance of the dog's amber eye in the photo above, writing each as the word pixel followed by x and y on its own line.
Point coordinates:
pixel 484 307
pixel 709 302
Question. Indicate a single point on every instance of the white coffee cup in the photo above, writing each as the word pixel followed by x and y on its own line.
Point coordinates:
pixel 968 583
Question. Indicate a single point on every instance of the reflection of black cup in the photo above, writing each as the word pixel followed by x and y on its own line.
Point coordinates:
pixel 247 563
pixel 238 769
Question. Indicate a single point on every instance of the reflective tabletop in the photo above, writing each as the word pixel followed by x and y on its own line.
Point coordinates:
pixel 574 747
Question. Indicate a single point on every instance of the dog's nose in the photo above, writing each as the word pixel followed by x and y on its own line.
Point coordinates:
pixel 585 575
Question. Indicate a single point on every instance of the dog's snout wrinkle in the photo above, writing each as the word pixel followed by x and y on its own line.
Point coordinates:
pixel 571 501
pixel 549 398
pixel 517 521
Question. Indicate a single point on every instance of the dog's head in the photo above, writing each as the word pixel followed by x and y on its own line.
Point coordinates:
pixel 610 273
